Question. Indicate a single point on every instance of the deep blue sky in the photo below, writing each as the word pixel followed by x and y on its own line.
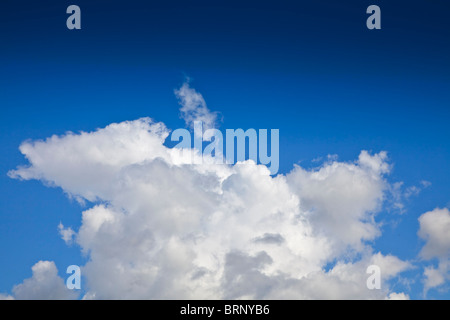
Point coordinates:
pixel 309 68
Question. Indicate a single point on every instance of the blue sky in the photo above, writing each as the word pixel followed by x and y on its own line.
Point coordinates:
pixel 312 70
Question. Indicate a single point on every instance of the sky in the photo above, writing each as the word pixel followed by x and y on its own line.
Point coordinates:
pixel 86 118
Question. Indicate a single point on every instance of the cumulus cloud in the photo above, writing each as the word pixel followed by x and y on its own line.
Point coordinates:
pixel 434 229
pixel 346 280
pixel 164 228
pixel 45 284
pixel 342 198
pixel 95 157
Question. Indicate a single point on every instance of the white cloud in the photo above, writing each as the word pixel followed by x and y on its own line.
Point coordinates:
pixel 434 229
pixel 66 234
pixel 94 157
pixel 45 284
pixel 244 279
pixel 342 198
pixel 433 277
pixel 398 296
pixel 162 227
pixel 193 107
pixel 400 195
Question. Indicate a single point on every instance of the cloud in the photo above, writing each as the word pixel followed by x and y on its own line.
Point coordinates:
pixel 164 228
pixel 434 229
pixel 94 157
pixel 433 277
pixel 342 198
pixel 398 296
pixel 45 284
pixel 399 194
pixel 245 279
pixel 66 234
pixel 193 107
pixel 6 297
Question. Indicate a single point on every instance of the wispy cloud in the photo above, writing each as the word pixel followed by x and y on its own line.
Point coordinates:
pixel 194 108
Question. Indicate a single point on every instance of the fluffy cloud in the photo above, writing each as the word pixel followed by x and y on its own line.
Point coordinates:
pixel 45 284
pixel 341 198
pixel 95 157
pixel 162 227
pixel 244 279
pixel 434 229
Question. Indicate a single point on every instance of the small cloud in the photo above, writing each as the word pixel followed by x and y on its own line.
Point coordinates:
pixel 193 107
pixel 401 194
pixel 45 284
pixel 332 157
pixel 398 296
pixel 67 234
pixel 412 191
pixel 425 184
